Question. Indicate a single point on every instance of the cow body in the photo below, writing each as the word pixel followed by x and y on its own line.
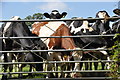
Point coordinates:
pixel 20 29
pixel 116 27
pixel 83 28
pixel 55 29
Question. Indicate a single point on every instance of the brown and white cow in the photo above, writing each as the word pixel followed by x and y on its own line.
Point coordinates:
pixel 57 28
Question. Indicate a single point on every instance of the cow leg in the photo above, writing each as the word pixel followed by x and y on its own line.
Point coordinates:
pixel 77 57
pixel 9 56
pixel 57 56
pixel 81 65
pixel 86 65
pixel 62 69
pixel 50 66
pixel 21 58
pixel 105 65
pixel 1 60
pixel 95 65
pixel 105 56
pixel 5 60
pixel 90 63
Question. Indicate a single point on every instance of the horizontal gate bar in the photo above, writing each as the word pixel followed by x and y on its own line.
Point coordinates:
pixel 82 36
pixel 48 62
pixel 111 18
pixel 81 78
pixel 58 50
pixel 55 72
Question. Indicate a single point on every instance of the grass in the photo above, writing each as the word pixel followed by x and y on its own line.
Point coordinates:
pixel 25 69
pixel 41 75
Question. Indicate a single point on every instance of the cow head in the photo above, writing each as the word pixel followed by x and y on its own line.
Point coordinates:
pixel 102 14
pixel 102 26
pixel 55 15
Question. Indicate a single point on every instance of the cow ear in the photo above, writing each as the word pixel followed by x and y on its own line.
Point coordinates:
pixel 46 15
pixel 107 14
pixel 97 15
pixel 63 14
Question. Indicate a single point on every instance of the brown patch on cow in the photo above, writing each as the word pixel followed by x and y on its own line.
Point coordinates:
pixel 60 43
pixel 66 43
pixel 36 27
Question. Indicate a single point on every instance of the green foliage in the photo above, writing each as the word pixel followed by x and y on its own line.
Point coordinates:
pixel 36 16
pixel 115 66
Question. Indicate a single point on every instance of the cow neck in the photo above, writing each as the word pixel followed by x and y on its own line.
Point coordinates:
pixel 36 27
pixel 49 29
pixel 66 43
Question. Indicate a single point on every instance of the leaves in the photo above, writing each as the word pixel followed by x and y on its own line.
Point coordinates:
pixel 116 51
pixel 36 16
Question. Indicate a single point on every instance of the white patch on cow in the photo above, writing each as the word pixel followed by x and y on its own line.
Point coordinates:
pixel 54 13
pixel 102 15
pixel 35 23
pixel 8 25
pixel 104 52
pixel 48 29
pixel 103 33
pixel 108 64
pixel 1 60
pixel 84 27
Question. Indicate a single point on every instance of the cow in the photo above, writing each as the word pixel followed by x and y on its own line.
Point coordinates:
pixel 116 27
pixel 20 29
pixel 83 28
pixel 2 48
pixel 55 28
pixel 55 15
pixel 103 26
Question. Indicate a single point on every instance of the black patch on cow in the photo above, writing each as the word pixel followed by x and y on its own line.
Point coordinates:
pixel 55 16
pixel 77 24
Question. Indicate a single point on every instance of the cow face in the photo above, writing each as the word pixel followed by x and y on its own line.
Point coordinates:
pixel 55 15
pixel 102 14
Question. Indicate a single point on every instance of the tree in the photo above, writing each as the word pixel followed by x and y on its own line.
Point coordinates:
pixel 36 16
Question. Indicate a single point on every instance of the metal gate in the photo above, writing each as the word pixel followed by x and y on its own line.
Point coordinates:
pixel 55 62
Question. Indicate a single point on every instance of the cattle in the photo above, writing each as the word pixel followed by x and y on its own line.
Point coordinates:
pixel 116 27
pixel 20 29
pixel 2 47
pixel 55 28
pixel 55 15
pixel 103 26
pixel 83 28
pixel 116 30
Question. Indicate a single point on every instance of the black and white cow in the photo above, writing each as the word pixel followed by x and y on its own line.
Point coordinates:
pixel 103 26
pixel 116 27
pixel 116 30
pixel 83 28
pixel 20 29
pixel 104 23
pixel 55 15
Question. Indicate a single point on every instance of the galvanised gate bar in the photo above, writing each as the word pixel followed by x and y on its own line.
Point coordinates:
pixel 48 62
